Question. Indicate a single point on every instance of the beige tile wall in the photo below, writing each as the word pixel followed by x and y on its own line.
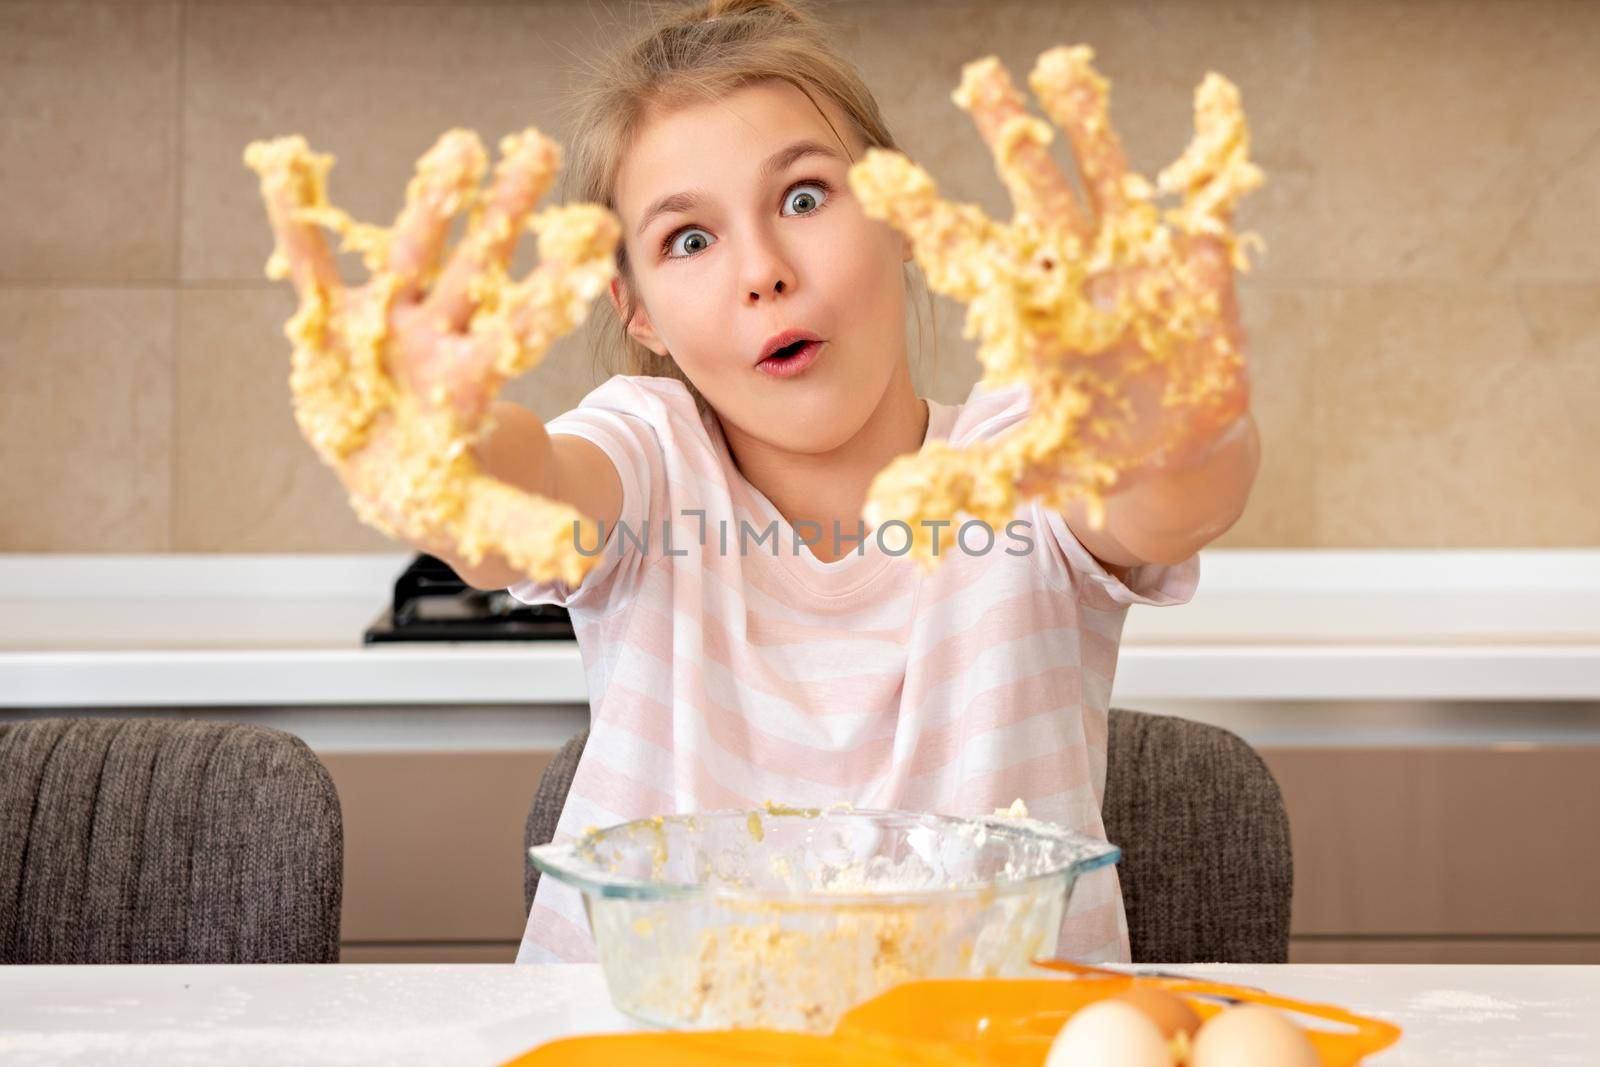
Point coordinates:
pixel 1425 327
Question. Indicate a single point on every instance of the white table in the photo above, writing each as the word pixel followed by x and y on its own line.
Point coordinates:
pixel 485 1014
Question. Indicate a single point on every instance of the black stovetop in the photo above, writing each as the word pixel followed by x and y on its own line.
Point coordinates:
pixel 431 603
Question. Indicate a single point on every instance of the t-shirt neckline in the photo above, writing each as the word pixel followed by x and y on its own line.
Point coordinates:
pixel 860 564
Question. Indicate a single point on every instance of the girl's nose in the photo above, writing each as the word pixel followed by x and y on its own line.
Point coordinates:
pixel 767 274
pixel 777 287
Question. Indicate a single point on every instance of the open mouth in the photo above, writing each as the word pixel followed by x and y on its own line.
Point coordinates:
pixel 789 350
pixel 792 359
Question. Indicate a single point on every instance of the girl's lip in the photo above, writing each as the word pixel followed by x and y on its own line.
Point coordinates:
pixel 793 365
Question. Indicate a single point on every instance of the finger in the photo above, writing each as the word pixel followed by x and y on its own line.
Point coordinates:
pixel 1209 260
pixel 1214 173
pixel 1076 98
pixel 953 243
pixel 338 385
pixel 1221 375
pixel 1020 144
pixel 293 183
pixel 1208 268
pixel 447 177
pixel 528 163
pixel 577 260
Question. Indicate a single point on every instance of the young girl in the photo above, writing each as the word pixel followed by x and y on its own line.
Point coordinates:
pixel 768 647
pixel 808 671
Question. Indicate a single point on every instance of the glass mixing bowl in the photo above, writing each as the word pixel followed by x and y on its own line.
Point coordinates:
pixel 787 917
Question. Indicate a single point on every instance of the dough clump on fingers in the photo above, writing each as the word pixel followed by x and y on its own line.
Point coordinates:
pixel 1072 303
pixel 418 478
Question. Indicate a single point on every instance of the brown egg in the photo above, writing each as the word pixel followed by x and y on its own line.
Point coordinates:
pixel 1170 1013
pixel 1252 1035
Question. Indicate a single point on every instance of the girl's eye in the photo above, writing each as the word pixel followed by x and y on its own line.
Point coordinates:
pixel 687 242
pixel 806 197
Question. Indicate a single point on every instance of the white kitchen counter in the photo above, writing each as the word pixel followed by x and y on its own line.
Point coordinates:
pixel 463 1014
pixel 171 631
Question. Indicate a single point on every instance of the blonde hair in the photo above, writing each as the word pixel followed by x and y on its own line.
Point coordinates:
pixel 699 51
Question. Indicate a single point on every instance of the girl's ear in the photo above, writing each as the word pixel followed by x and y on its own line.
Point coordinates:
pixel 905 249
pixel 639 326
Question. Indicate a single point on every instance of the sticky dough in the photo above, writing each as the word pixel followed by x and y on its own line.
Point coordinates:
pixel 1027 284
pixel 420 480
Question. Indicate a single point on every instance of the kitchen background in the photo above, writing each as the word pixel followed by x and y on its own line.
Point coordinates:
pixel 1424 337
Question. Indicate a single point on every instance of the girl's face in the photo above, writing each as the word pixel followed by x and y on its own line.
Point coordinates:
pixel 739 224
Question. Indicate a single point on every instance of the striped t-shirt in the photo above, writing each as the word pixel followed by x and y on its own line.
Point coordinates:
pixel 727 678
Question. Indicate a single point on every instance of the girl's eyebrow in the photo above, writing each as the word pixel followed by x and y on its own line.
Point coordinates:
pixel 774 164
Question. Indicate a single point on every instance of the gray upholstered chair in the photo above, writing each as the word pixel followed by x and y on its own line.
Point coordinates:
pixel 1206 868
pixel 133 840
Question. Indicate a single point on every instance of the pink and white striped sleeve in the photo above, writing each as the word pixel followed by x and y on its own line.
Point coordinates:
pixel 1156 584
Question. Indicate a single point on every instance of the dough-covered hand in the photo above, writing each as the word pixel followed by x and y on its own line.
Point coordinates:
pixel 1120 318
pixel 392 380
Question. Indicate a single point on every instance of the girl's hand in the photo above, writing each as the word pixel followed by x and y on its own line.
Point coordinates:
pixel 1126 329
pixel 392 380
